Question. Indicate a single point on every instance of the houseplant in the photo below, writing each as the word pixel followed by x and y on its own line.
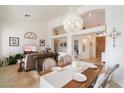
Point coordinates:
pixel 13 59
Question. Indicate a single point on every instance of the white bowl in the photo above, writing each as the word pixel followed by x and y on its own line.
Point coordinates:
pixel 79 77
pixel 56 69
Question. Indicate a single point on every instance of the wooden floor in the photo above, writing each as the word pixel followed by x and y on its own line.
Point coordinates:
pixel 10 78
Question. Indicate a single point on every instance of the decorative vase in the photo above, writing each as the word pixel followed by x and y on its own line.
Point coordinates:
pixel 74 64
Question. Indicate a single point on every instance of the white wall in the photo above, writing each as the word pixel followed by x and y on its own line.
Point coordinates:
pixel 0 42
pixel 86 53
pixel 18 29
pixel 82 40
pixel 90 51
pixel 92 38
pixel 96 18
pixel 115 18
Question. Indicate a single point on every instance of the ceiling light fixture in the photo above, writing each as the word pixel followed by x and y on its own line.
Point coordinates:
pixel 27 15
pixel 73 22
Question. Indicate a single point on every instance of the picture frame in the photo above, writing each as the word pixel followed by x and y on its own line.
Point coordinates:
pixel 61 44
pixel 42 42
pixel 13 41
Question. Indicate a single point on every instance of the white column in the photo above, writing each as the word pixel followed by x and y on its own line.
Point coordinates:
pixel 69 43
pixel 50 36
pixel 50 39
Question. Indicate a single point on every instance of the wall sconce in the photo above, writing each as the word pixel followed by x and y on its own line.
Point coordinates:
pixel 114 34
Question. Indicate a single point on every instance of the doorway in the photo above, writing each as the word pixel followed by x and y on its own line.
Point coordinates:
pixel 100 45
pixel 56 45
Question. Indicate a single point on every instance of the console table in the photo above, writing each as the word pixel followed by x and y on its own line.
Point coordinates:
pixel 40 58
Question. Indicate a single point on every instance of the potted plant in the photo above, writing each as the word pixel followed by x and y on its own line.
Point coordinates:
pixel 19 56
pixel 14 59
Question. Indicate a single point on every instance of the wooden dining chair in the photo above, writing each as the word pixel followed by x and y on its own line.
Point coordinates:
pixel 67 59
pixel 103 80
pixel 48 63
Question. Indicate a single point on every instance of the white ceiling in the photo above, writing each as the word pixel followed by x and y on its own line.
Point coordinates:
pixel 94 18
pixel 43 13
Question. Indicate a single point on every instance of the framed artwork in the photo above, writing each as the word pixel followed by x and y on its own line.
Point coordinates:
pixel 61 44
pixel 13 41
pixel 42 42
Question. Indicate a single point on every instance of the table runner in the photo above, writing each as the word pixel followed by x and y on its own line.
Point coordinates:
pixel 61 78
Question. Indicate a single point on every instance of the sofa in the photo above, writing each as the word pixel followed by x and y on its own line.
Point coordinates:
pixel 29 61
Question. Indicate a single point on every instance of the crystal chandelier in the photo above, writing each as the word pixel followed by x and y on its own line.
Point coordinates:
pixel 73 22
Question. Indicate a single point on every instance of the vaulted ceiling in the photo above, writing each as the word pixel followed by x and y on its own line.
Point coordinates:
pixel 46 13
pixel 42 13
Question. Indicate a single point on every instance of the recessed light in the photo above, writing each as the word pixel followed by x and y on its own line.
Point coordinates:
pixel 90 14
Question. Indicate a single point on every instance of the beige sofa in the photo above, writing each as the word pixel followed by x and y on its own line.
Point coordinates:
pixel 29 61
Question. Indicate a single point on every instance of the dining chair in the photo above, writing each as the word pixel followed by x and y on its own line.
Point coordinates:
pixel 67 59
pixel 48 63
pixel 104 79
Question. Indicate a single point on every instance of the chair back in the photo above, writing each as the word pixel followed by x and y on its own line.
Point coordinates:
pixel 48 63
pixel 67 59
pixel 103 80
pixel 29 61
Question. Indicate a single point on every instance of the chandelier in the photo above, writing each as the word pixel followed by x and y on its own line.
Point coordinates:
pixel 73 22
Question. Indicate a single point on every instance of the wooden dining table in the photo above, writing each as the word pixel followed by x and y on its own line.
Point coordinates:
pixel 90 73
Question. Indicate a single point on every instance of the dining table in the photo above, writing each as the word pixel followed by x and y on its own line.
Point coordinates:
pixel 63 79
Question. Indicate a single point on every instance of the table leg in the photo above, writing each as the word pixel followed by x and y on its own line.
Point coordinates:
pixel 20 69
